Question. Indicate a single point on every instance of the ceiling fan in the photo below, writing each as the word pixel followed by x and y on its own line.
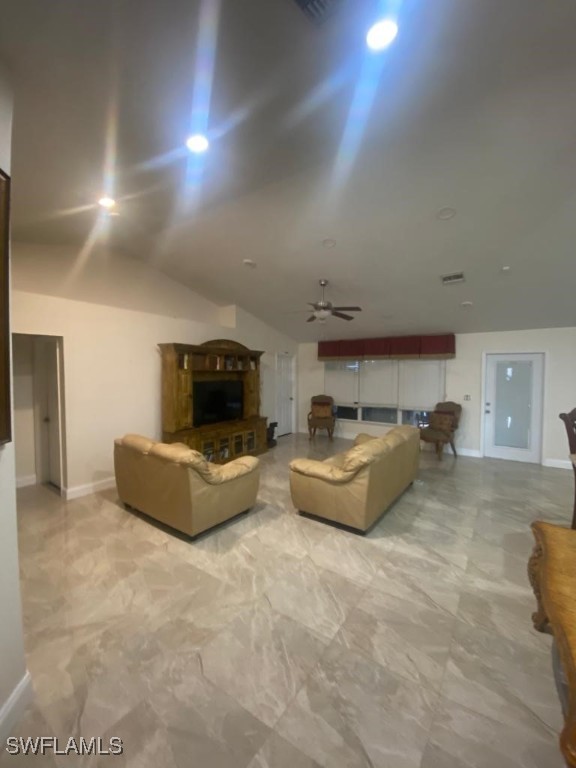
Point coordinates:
pixel 323 309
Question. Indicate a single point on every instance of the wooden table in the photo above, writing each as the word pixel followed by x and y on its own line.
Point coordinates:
pixel 552 572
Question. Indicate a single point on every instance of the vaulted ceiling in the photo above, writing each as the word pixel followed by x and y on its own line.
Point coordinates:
pixel 312 138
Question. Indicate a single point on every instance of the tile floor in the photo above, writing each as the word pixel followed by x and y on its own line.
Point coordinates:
pixel 281 642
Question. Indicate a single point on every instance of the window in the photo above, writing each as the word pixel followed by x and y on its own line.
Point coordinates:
pixel 341 381
pixel 378 382
pixel 385 391
pixel 381 415
pixel 416 418
pixel 346 412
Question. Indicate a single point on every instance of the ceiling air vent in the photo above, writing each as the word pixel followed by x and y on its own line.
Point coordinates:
pixel 455 277
pixel 318 10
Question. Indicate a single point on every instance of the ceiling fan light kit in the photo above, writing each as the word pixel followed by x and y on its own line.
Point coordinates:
pixel 322 310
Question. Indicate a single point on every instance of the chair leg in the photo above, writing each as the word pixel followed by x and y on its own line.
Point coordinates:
pixel 453 447
pixel 439 450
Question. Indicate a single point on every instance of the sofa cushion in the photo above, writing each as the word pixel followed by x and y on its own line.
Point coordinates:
pixel 364 454
pixel 243 465
pixel 323 470
pixel 136 442
pixel 363 437
pixel 178 453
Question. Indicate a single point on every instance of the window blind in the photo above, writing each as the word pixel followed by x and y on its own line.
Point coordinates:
pixel 378 382
pixel 341 381
pixel 421 383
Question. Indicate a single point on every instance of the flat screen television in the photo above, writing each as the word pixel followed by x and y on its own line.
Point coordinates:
pixel 215 401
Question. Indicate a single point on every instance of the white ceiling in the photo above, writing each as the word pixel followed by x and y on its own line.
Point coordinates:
pixel 473 107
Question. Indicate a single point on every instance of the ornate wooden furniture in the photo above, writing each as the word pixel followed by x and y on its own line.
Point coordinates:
pixel 321 415
pixel 569 420
pixel 552 573
pixel 221 360
pixel 444 421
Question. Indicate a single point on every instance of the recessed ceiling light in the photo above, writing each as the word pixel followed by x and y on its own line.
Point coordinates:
pixel 505 269
pixel 446 213
pixel 381 34
pixel 467 304
pixel 328 242
pixel 249 263
pixel 197 143
pixel 107 202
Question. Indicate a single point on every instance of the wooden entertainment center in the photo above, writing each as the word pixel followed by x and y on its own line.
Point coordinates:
pixel 221 360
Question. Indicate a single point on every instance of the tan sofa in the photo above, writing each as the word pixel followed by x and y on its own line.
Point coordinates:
pixel 356 487
pixel 178 487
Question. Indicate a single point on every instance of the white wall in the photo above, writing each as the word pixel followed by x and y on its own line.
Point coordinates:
pixel 111 358
pixel 15 689
pixel 23 378
pixel 310 382
pixel 111 279
pixel 464 377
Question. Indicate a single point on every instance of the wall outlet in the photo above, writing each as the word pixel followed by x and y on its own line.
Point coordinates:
pixel 467 397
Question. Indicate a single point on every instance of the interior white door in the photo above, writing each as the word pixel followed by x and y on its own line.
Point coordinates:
pixel 513 407
pixel 54 379
pixel 285 394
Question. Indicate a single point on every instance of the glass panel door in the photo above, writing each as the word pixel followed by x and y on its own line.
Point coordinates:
pixel 512 408
pixel 513 403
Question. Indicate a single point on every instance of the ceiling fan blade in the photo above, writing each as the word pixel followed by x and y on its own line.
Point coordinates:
pixel 311 319
pixel 347 309
pixel 342 316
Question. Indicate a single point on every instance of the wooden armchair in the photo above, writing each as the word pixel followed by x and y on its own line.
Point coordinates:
pixel 569 420
pixel 444 421
pixel 321 415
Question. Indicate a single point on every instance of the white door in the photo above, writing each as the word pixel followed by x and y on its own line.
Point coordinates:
pixel 53 415
pixel 48 381
pixel 513 407
pixel 285 394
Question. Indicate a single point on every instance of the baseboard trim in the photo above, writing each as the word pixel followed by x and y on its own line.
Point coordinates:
pixel 13 708
pixel 557 463
pixel 25 480
pixel 76 491
pixel 471 452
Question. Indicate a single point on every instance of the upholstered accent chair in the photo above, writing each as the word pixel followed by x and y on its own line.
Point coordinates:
pixel 321 415
pixel 444 421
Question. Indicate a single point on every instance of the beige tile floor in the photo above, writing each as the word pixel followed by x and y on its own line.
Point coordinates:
pixel 281 642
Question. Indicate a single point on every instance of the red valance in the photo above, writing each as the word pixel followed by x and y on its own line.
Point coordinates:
pixel 437 347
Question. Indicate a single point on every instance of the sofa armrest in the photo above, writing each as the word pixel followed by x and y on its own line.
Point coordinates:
pixel 241 466
pixel 320 470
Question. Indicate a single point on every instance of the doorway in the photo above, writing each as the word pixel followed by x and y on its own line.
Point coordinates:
pixel 39 434
pixel 285 394
pixel 513 406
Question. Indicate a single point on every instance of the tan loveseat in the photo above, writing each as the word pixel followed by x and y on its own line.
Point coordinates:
pixel 356 487
pixel 178 487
